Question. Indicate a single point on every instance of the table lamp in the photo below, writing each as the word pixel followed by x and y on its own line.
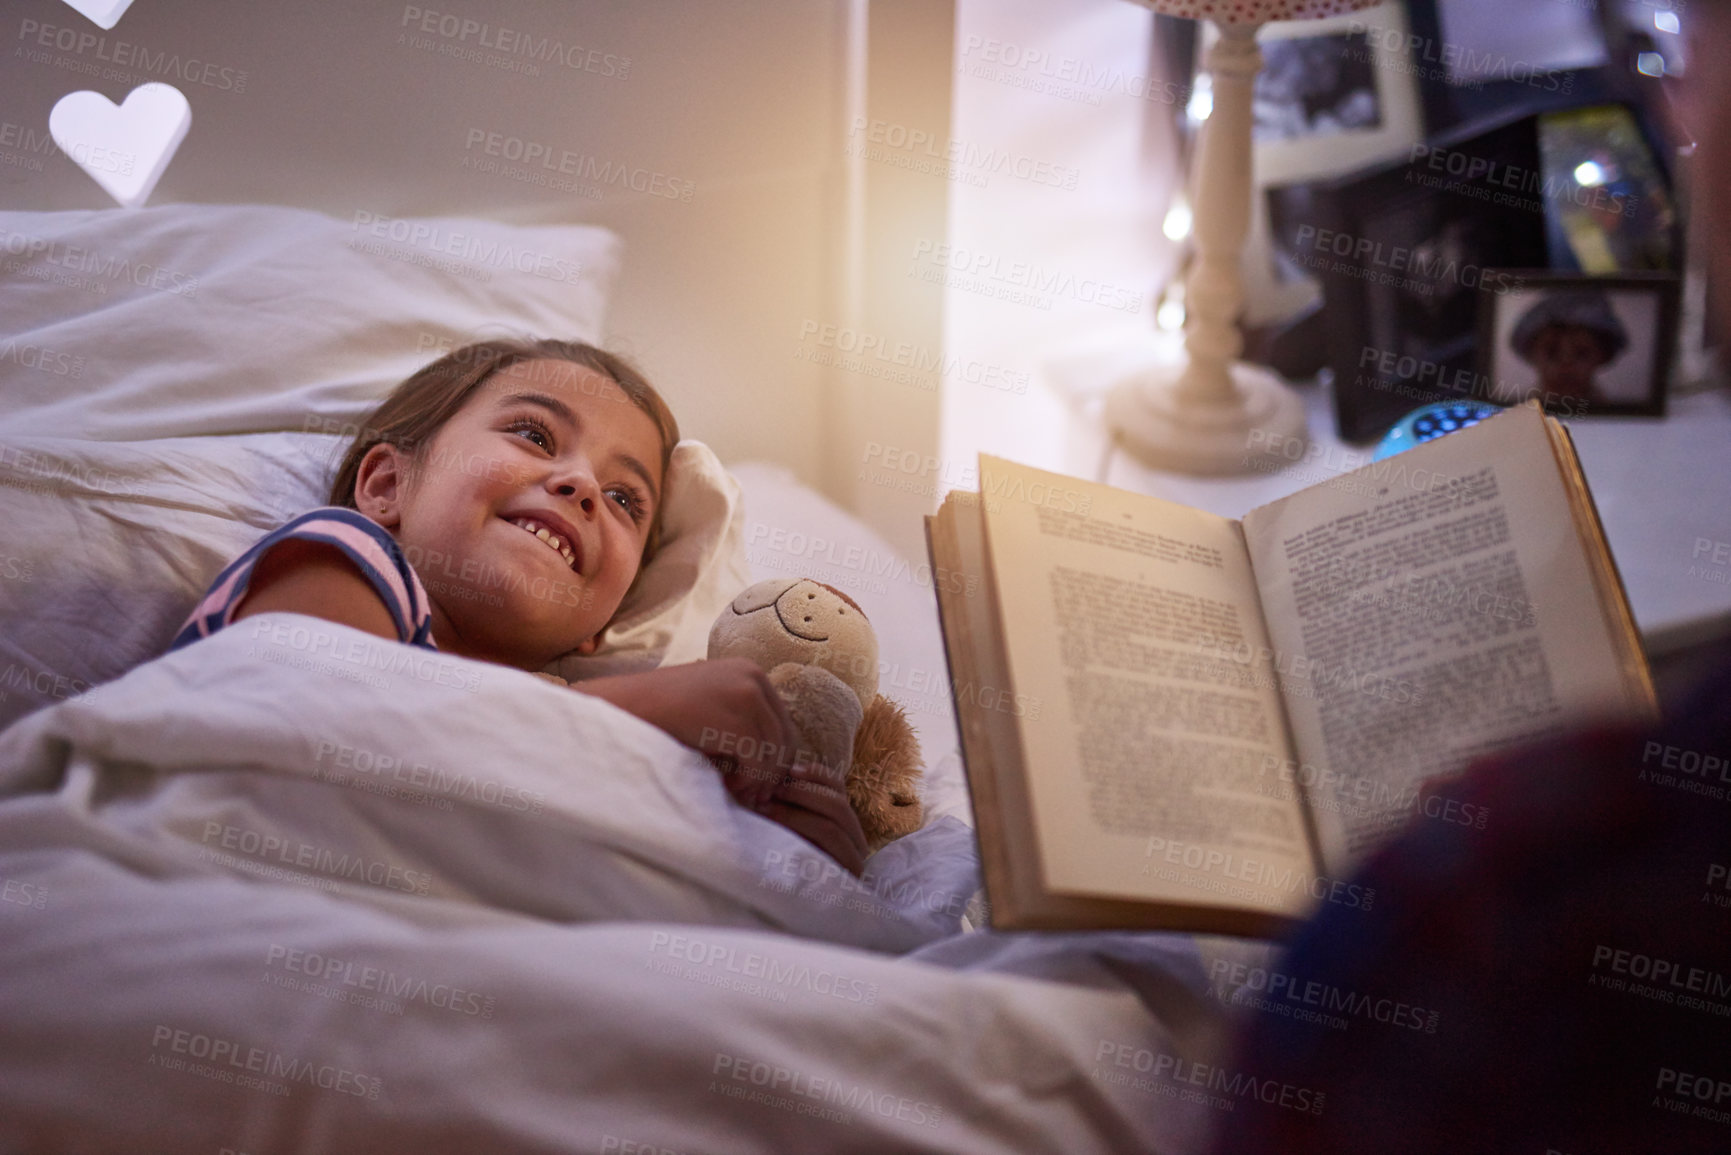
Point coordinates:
pixel 1211 413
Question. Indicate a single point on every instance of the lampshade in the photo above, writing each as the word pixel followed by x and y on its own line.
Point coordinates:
pixel 1256 11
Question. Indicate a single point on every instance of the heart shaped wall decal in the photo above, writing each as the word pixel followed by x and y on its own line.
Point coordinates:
pixel 124 148
pixel 102 13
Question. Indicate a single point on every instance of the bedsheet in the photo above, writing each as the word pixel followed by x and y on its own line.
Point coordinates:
pixel 294 888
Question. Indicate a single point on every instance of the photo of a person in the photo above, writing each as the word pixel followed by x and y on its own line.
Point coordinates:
pixel 1580 345
pixel 1567 338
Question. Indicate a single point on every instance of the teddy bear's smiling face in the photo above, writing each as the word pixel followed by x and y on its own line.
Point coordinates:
pixel 800 620
pixel 814 612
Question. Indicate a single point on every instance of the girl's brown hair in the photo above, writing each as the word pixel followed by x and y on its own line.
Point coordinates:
pixel 417 409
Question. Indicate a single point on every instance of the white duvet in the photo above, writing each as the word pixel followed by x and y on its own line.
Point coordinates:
pixel 294 888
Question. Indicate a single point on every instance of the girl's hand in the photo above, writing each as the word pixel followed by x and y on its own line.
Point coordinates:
pixel 725 708
pixel 813 804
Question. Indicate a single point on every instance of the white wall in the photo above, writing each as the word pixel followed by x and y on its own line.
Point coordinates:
pixel 1067 85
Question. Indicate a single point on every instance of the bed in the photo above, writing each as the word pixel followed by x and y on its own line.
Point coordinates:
pixel 295 889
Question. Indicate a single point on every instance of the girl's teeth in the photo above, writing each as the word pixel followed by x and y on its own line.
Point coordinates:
pixel 547 536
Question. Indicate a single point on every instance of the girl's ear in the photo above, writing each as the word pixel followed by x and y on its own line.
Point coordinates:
pixel 379 484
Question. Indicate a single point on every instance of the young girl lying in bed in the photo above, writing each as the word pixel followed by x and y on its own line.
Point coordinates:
pixel 543 459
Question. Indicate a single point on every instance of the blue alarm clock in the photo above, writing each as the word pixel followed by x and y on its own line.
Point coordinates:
pixel 1429 422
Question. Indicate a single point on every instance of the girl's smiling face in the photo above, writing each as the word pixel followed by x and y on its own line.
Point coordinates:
pixel 526 514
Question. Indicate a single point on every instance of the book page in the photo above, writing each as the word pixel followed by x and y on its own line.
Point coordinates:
pixel 1131 627
pixel 1425 609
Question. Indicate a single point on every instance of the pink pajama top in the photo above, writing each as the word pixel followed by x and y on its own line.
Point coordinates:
pixel 363 541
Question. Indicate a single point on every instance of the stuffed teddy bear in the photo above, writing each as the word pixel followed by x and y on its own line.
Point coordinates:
pixel 821 655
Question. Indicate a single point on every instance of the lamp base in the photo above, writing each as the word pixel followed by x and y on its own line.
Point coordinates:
pixel 1263 424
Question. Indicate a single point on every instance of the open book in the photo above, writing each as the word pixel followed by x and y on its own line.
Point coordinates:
pixel 1174 720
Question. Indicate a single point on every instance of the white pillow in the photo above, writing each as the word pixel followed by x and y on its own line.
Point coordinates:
pixel 108 546
pixel 176 320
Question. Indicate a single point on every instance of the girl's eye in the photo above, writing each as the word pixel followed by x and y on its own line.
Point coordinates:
pixel 537 432
pixel 532 428
pixel 634 504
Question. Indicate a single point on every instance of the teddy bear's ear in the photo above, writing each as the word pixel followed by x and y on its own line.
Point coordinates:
pixel 764 593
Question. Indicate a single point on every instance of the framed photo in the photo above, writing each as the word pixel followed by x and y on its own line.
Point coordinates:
pixel 1583 346
pixel 1333 95
pixel 1609 208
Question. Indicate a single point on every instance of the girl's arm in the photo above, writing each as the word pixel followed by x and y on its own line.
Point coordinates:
pixel 726 708
pixel 303 576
